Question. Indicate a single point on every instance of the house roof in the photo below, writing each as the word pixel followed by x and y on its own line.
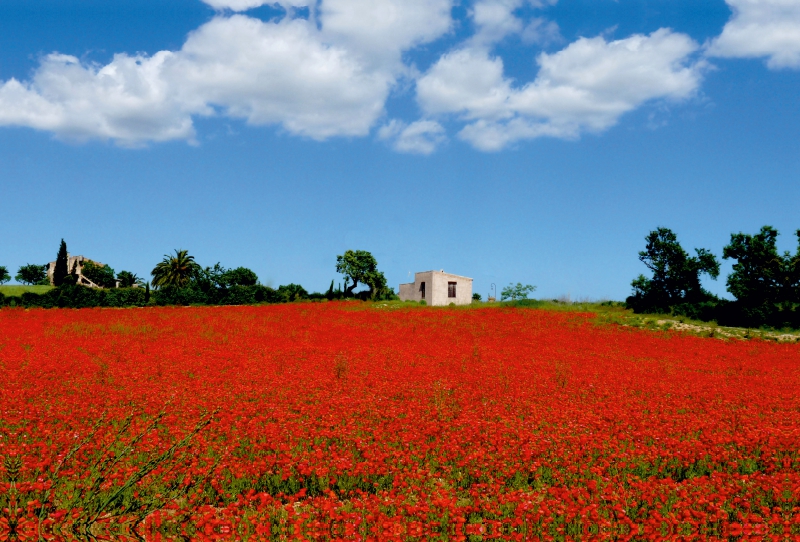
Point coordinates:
pixel 443 272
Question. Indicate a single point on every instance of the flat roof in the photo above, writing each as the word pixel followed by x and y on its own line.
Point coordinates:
pixel 444 273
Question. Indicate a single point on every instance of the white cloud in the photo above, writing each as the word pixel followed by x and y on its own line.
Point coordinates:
pixel 379 30
pixel 420 137
pixel 495 20
pixel 541 32
pixel 762 28
pixel 326 76
pixel 244 5
pixel 126 100
pixel 280 73
pixel 585 87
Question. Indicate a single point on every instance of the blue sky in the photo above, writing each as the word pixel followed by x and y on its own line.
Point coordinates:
pixel 506 140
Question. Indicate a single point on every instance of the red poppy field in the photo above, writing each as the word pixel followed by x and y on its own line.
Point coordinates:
pixel 336 421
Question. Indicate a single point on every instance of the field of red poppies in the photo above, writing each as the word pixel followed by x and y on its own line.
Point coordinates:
pixel 337 421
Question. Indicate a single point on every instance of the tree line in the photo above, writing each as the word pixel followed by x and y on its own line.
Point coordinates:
pixel 765 283
pixel 179 280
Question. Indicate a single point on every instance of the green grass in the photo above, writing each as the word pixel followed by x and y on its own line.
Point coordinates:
pixel 615 313
pixel 18 289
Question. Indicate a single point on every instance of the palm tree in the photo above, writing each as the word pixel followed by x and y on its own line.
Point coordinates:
pixel 175 270
pixel 128 280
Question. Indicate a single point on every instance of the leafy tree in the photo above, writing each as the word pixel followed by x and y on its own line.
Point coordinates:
pixel 4 276
pixel 210 278
pixel 476 297
pixel 241 276
pixel 292 292
pixel 676 275
pixel 102 275
pixel 360 266
pixel 177 270
pixel 762 280
pixel 516 291
pixel 129 280
pixel 31 274
pixel 60 271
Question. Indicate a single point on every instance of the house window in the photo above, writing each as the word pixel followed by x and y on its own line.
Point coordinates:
pixel 422 290
pixel 451 289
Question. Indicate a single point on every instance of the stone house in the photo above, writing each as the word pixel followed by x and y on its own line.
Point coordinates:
pixel 74 264
pixel 438 288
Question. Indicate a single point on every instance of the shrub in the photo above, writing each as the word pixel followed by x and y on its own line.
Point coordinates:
pixel 174 295
pixel 102 275
pixel 292 292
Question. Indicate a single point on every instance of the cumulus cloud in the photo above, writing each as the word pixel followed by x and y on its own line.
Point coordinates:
pixel 323 77
pixel 585 87
pixel 282 73
pixel 379 30
pixel 244 5
pixel 541 32
pixel 496 19
pixel 420 137
pixel 761 28
pixel 127 100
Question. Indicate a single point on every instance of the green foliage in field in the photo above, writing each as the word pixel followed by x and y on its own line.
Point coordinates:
pixel 361 267
pixel 765 283
pixel 32 274
pixel 177 270
pixel 517 291
pixel 62 259
pixel 102 275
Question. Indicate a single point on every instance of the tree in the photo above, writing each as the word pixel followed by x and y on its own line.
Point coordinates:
pixel 60 271
pixel 676 275
pixel 101 275
pixel 241 276
pixel 31 274
pixel 175 270
pixel 4 276
pixel 476 297
pixel 762 279
pixel 360 266
pixel 129 280
pixel 292 292
pixel 516 291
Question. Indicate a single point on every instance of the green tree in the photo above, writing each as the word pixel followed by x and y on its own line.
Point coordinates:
pixel 360 267
pixel 177 270
pixel 4 275
pixel 676 275
pixel 32 274
pixel 516 291
pixel 762 280
pixel 210 278
pixel 60 271
pixel 241 276
pixel 129 280
pixel 102 275
pixel 292 292
pixel 476 297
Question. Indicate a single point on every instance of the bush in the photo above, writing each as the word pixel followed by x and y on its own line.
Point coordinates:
pixel 292 292
pixel 239 295
pixel 102 275
pixel 175 295
pixel 125 297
